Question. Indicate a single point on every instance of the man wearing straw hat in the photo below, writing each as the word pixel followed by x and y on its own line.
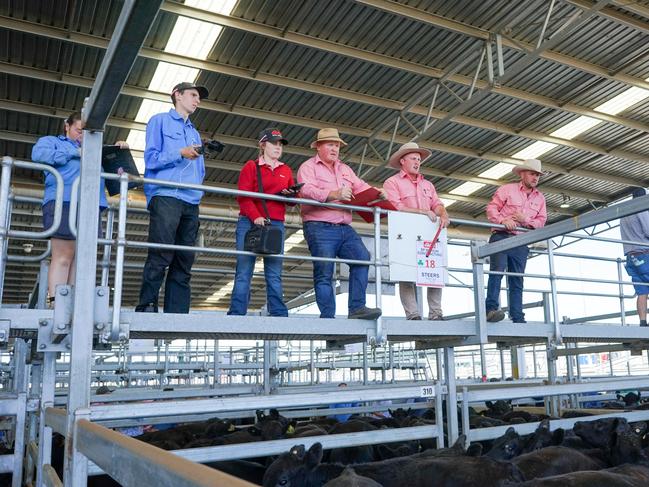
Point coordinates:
pixel 635 228
pixel 409 191
pixel 328 231
pixel 513 205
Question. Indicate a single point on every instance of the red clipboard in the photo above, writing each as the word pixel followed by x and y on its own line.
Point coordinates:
pixel 371 197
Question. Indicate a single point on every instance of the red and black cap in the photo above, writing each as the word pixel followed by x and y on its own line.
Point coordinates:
pixel 272 135
pixel 185 85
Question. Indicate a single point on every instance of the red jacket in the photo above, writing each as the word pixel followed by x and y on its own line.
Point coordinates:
pixel 273 181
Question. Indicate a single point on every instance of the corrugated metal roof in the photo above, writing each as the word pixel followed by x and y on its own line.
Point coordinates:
pixel 601 41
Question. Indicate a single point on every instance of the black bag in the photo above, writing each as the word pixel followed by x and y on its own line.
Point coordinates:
pixel 265 239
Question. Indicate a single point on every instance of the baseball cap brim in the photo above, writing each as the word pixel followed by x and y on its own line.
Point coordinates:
pixel 202 91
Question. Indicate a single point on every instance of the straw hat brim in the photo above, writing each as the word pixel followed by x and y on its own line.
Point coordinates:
pixel 517 170
pixel 314 144
pixel 394 160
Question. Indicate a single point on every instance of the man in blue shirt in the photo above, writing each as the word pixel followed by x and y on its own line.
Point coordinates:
pixel 635 228
pixel 171 154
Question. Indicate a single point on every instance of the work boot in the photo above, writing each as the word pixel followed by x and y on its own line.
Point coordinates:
pixel 414 317
pixel 364 313
pixel 495 315
pixel 146 308
pixel 643 322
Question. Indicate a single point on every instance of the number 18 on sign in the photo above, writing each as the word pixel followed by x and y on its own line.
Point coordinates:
pixel 431 270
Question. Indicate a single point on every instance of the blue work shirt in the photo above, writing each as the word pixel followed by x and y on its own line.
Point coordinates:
pixel 63 154
pixel 166 134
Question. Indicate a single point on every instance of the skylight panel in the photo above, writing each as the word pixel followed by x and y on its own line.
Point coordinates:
pixel 623 101
pixel 136 139
pixel 148 108
pixel 193 38
pixel 467 188
pixel 498 171
pixel 575 128
pixel 535 150
pixel 168 75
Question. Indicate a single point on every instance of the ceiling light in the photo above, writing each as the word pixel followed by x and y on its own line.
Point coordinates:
pixel 566 201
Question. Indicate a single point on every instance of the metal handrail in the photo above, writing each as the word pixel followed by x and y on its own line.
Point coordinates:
pixel 7 162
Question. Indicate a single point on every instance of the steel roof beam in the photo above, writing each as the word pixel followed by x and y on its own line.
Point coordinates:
pixel 102 43
pixel 419 15
pixel 392 62
pixel 86 82
pixel 428 171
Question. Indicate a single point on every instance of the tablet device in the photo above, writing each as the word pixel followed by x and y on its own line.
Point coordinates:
pixel 112 159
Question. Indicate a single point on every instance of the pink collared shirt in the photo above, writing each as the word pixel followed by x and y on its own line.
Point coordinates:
pixel 403 192
pixel 319 180
pixel 511 198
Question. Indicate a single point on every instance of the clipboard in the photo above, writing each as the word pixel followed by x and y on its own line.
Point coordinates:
pixel 371 197
pixel 114 158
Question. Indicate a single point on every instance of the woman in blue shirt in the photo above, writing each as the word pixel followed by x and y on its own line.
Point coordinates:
pixel 64 153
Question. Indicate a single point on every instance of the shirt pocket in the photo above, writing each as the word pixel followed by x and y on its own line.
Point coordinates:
pixel 173 138
pixel 514 202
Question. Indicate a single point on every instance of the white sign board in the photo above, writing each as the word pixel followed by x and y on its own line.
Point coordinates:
pixel 431 270
pixel 406 233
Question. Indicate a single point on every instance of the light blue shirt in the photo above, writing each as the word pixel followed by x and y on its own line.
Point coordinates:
pixel 166 134
pixel 63 154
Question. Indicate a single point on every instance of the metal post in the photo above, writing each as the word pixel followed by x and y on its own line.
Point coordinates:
pixel 270 366
pixel 502 364
pixel 76 465
pixel 466 426
pixel 379 337
pixel 5 207
pixel 366 369
pixel 119 259
pixel 44 266
pixel 105 262
pixel 312 362
pixel 545 24
pixel 451 399
pixel 620 287
pixel 555 300
pixel 47 400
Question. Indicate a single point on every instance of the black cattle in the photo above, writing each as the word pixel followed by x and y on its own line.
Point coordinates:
pixel 349 478
pixel 383 452
pixel 554 460
pixel 497 409
pixel 543 437
pixel 507 446
pixel 625 476
pixel 298 468
pixel 597 433
pixel 352 454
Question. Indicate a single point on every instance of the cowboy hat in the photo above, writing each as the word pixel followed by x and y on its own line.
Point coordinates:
pixel 528 165
pixel 407 148
pixel 328 134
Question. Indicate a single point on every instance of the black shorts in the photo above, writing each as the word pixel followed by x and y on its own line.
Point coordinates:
pixel 63 231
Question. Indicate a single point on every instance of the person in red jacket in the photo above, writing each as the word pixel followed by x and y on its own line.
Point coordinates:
pixel 276 178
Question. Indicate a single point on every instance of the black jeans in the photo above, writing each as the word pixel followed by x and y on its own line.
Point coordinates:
pixel 172 221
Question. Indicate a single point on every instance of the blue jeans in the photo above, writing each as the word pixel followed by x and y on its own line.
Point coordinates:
pixel 513 260
pixel 172 221
pixel 243 275
pixel 330 240
pixel 637 266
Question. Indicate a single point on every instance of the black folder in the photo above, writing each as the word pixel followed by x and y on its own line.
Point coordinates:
pixel 112 159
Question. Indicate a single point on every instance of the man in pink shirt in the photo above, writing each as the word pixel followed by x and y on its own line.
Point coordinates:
pixel 409 191
pixel 327 230
pixel 513 205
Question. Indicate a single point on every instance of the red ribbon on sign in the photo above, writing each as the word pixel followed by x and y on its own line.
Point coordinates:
pixel 435 238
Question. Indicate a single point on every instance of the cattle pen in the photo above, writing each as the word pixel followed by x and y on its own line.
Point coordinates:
pixel 88 385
